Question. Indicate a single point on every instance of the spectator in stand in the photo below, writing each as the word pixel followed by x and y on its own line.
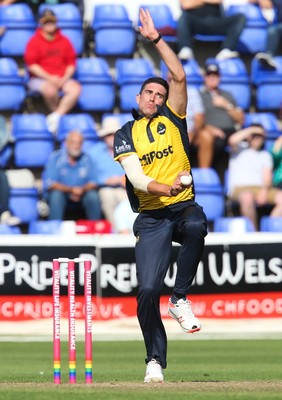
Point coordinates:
pixel 222 118
pixel 207 18
pixel 70 177
pixel 51 62
pixel 274 32
pixel 250 174
pixel 110 173
pixel 5 215
pixel 124 218
pixel 276 152
pixel 195 120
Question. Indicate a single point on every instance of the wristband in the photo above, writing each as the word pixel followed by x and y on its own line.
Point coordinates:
pixel 155 41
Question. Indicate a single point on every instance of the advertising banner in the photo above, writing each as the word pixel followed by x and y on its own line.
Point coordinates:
pixel 237 277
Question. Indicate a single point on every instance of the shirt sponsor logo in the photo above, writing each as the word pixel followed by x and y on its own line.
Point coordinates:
pixel 123 148
pixel 148 158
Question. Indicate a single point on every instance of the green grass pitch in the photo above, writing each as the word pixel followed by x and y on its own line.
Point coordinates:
pixel 197 370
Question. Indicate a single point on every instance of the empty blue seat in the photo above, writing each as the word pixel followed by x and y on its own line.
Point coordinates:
pixel 163 20
pixel 83 123
pixel 271 224
pixel 98 86
pixel 29 125
pixel 9 230
pixel 268 85
pixel 51 227
pixel 69 21
pixel 122 117
pixel 233 225
pixel 23 203
pixel 33 142
pixel 20 25
pixel 114 34
pixel 192 70
pixel 130 74
pixel 209 192
pixel 12 88
pixel 234 78
pixel 253 37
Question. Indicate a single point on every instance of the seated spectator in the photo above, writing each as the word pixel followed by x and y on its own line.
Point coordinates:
pixel 222 117
pixel 5 215
pixel 124 218
pixel 274 32
pixel 276 152
pixel 195 119
pixel 111 175
pixel 250 174
pixel 70 177
pixel 207 18
pixel 51 62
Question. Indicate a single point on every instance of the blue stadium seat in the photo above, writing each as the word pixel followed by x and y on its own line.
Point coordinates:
pixel 122 117
pixel 12 88
pixel 233 225
pixel 270 123
pixel 83 123
pixel 209 192
pixel 253 38
pixel 268 85
pixel 23 203
pixel 234 78
pixel 130 74
pixel 271 224
pixel 51 227
pixel 33 141
pixel 70 22
pixel 5 155
pixel 114 34
pixel 98 85
pixel 9 230
pixel 163 20
pixel 20 25
pixel 192 70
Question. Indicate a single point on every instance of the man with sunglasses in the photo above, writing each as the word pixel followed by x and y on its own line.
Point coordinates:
pixel 250 174
pixel 222 118
pixel 51 62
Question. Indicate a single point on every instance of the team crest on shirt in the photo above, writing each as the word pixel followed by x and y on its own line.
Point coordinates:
pixel 161 128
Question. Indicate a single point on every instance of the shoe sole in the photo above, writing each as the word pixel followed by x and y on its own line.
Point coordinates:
pixel 184 330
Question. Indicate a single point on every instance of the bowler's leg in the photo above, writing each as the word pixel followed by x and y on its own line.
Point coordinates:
pixel 152 251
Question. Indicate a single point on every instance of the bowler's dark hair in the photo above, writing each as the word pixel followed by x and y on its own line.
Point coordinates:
pixel 158 80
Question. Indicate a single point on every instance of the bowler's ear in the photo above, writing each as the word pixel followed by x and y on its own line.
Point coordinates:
pixel 138 98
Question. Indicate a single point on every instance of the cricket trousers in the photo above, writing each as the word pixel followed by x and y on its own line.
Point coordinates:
pixel 155 231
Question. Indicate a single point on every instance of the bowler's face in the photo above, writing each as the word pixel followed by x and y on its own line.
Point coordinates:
pixel 153 95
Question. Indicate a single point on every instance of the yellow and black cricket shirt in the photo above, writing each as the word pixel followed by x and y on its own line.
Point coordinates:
pixel 162 145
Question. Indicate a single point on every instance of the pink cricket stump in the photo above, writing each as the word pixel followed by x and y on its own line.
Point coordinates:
pixel 88 320
pixel 72 338
pixel 56 322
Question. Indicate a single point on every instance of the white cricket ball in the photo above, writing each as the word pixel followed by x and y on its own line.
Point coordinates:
pixel 186 180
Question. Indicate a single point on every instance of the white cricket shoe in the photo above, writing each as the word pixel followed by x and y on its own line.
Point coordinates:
pixel 225 54
pixel 182 312
pixel 154 372
pixel 185 54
